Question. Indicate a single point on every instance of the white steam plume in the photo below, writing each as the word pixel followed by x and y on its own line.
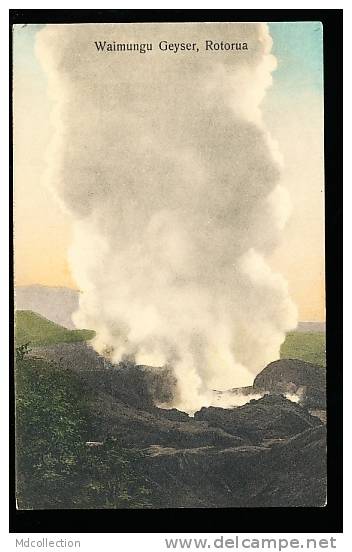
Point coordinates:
pixel 173 184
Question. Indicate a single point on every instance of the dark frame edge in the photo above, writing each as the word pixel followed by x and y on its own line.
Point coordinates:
pixel 238 520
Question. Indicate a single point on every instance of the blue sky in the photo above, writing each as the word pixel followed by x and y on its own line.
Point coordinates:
pixel 24 56
pixel 298 48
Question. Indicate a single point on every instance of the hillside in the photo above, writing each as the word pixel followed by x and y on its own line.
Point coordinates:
pixel 307 346
pixel 32 328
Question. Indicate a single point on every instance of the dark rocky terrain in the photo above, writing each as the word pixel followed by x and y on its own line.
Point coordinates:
pixel 271 417
pixel 268 452
pixel 287 473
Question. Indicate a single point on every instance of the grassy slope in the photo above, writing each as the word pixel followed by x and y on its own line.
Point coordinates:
pixel 308 346
pixel 33 328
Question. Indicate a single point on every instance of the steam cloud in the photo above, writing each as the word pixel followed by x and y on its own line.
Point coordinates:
pixel 173 184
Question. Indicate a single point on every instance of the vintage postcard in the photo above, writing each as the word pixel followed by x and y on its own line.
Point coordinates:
pixel 169 265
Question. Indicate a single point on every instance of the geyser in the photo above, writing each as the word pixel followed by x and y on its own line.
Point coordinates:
pixel 173 185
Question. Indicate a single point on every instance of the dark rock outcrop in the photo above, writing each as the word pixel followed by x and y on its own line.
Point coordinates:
pixel 299 372
pixel 294 376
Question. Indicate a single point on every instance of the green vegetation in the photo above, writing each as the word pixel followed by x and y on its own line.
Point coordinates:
pixel 308 346
pixel 55 467
pixel 33 329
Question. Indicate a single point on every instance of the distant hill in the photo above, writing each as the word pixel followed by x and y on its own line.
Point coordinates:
pixel 55 303
pixel 310 327
pixel 34 328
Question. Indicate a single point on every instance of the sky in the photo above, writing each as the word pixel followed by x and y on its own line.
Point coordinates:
pixel 293 112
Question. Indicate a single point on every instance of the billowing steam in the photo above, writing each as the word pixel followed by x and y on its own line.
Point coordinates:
pixel 173 184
